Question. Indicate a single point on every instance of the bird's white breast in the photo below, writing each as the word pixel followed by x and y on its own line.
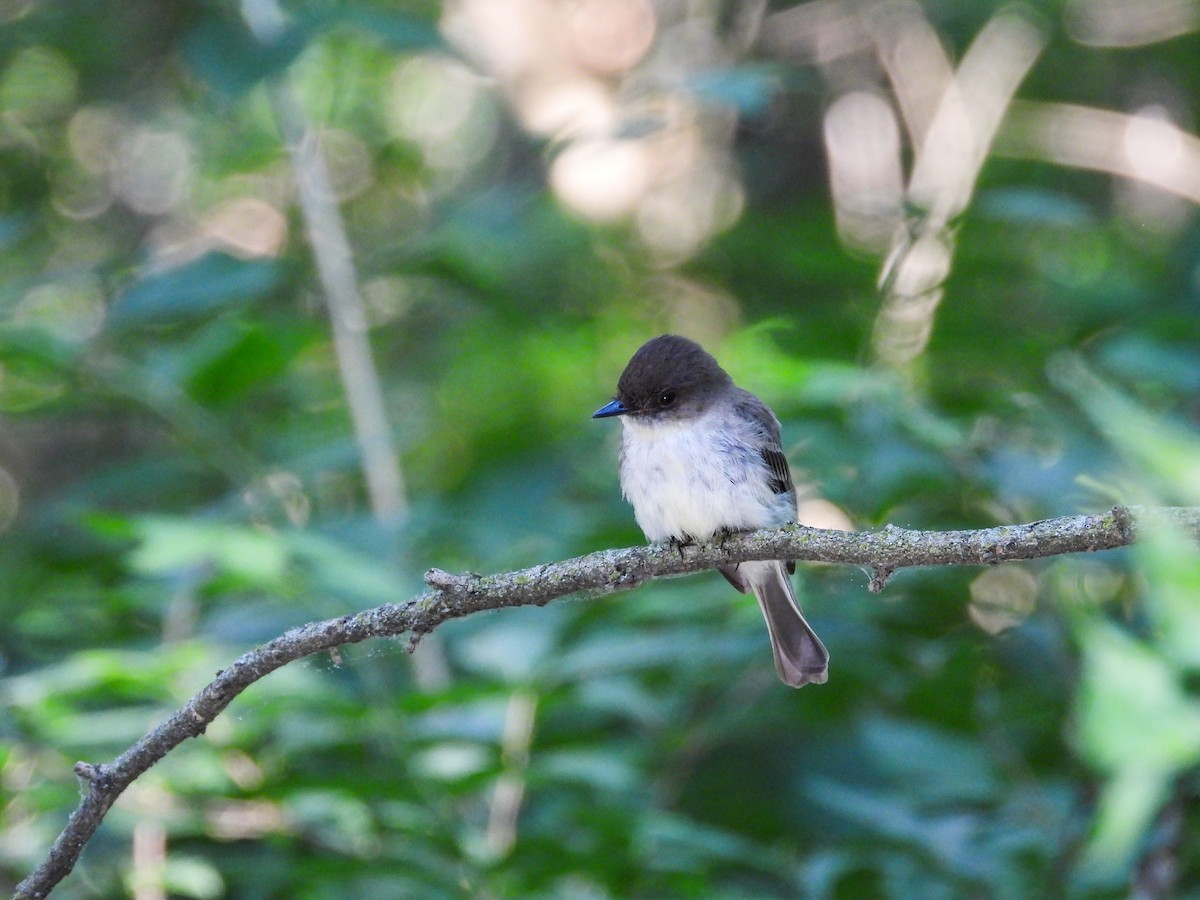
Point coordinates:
pixel 694 479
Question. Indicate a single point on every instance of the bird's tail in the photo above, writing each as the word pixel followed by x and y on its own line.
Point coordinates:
pixel 800 657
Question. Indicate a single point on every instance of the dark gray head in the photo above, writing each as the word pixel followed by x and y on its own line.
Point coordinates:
pixel 670 377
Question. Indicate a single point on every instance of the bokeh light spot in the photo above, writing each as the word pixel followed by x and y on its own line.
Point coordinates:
pixel 609 37
pixel 154 172
pixel 94 135
pixel 37 85
pixel 862 145
pixel 71 310
pixel 1002 598
pixel 247 227
pixel 439 105
pixel 601 180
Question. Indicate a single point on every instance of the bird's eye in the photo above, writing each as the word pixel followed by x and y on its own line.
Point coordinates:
pixel 666 398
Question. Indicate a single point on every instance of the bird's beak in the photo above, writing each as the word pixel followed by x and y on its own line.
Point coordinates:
pixel 616 408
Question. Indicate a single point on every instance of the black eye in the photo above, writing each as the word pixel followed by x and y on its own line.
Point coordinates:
pixel 666 398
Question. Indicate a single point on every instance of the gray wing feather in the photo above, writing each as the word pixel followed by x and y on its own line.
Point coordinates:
pixel 750 407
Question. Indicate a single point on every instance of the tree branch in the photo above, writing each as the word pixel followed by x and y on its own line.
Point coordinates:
pixel 454 596
pixel 334 262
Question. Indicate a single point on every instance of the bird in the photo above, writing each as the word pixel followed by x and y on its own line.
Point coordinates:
pixel 701 458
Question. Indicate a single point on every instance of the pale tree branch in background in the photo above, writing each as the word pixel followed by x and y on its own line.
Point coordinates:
pixel 454 596
pixel 953 149
pixel 951 116
pixel 339 281
pixel 1104 140
pixel 334 261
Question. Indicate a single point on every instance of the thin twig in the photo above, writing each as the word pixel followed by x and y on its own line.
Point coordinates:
pixel 508 793
pixel 596 574
pixel 339 281
pixel 334 260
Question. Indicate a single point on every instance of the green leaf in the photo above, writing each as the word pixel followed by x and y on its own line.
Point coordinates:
pixel 339 567
pixel 1162 449
pixel 1135 723
pixel 199 288
pixel 226 55
pixel 1133 710
pixel 393 28
pixel 933 764
pixel 598 768
pixel 1170 563
pixel 1128 804
pixel 237 357
pixel 169 545
pixel 190 876
pixel 675 842
pixel 516 648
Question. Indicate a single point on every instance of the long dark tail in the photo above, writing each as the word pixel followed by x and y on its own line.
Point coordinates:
pixel 800 657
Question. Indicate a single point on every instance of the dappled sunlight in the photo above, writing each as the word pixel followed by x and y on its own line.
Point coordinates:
pixel 912 279
pixel 247 227
pixel 950 116
pixel 245 820
pixel 80 195
pixel 94 135
pixel 154 170
pixel 1158 152
pixel 610 37
pixel 446 111
pixel 704 312
pixel 1002 598
pixel 1145 147
pixel 36 86
pixel 862 146
pixel 115 157
pixel 1118 23
pixel 554 60
pixel 819 31
pixel 602 179
pixel 632 147
pixel 581 107
pixel 1154 146
pixel 71 309
pixel 817 512
pixel 351 169
pixel 944 172
pixel 968 113
pixel 678 216
pixel 917 64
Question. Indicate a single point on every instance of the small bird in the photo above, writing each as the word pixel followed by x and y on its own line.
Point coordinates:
pixel 702 457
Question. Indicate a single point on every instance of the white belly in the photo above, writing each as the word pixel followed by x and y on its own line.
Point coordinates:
pixel 693 481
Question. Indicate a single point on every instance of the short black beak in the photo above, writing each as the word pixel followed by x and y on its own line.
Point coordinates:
pixel 616 408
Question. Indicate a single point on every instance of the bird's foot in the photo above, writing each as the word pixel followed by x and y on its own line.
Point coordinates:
pixel 723 536
pixel 680 542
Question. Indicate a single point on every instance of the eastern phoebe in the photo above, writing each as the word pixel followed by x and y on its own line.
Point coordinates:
pixel 701 457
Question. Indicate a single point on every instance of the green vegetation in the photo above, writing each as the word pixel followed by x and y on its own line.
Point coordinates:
pixel 180 477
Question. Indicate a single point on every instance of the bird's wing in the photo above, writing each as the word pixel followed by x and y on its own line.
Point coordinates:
pixel 781 475
pixel 772 446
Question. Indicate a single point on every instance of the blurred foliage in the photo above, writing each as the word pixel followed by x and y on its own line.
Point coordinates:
pixel 179 480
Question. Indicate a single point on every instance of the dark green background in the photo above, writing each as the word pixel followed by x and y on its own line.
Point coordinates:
pixel 189 486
